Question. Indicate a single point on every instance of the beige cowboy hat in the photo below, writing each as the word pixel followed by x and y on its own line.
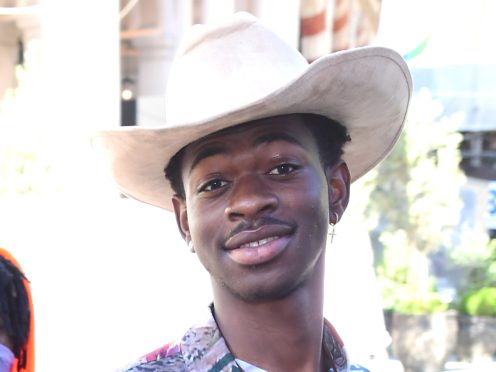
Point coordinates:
pixel 241 71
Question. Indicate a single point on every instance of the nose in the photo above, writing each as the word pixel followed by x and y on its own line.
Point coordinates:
pixel 250 198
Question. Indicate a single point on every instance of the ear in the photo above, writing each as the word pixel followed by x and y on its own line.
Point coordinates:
pixel 181 213
pixel 338 182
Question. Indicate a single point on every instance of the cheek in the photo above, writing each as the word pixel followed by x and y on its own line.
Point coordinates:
pixel 204 223
pixel 203 234
pixel 307 198
pixel 314 206
pixel 314 196
pixel 199 225
pixel 206 228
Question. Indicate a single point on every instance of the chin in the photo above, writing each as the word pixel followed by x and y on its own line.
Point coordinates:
pixel 266 292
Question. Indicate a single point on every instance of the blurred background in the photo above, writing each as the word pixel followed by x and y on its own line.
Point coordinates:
pixel 411 274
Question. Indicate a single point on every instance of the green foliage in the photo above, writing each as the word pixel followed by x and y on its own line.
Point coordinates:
pixel 405 282
pixel 416 189
pixel 26 156
pixel 415 204
pixel 475 260
pixel 425 303
pixel 24 166
pixel 481 302
pixel 407 298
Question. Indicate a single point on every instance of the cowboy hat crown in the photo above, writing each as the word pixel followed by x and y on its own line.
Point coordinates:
pixel 241 71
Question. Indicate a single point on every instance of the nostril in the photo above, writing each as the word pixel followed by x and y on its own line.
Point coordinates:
pixel 233 214
pixel 268 207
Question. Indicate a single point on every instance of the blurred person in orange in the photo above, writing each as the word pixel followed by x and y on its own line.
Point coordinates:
pixel 16 317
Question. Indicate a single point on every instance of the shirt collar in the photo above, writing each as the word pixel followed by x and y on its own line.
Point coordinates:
pixel 204 349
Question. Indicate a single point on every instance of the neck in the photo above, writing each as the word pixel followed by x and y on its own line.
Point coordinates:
pixel 276 335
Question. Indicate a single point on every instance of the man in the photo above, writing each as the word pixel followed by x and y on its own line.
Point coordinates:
pixel 16 317
pixel 260 149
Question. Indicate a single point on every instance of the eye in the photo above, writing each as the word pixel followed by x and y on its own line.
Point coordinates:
pixel 283 169
pixel 212 185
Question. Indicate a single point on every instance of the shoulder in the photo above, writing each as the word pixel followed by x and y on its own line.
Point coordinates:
pixel 201 348
pixel 164 359
pixel 334 347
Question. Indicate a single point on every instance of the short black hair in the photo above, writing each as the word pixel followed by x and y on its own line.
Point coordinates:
pixel 329 135
pixel 14 308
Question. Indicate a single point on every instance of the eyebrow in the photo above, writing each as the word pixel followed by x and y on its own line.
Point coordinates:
pixel 262 140
pixel 211 151
pixel 277 136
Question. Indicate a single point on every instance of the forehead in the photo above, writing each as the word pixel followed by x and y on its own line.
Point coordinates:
pixel 288 128
pixel 291 123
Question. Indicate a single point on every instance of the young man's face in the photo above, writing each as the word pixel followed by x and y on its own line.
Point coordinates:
pixel 257 205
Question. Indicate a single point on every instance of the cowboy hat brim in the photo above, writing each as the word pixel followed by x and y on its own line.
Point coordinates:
pixel 365 89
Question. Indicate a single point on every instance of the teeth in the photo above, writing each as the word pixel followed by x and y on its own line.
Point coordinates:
pixel 259 242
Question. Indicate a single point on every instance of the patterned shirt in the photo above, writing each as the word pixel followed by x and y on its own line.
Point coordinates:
pixel 203 349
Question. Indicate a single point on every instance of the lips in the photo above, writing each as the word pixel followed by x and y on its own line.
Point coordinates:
pixel 257 236
pixel 260 242
pixel 263 244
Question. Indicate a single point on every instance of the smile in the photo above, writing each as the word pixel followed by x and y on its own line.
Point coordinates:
pixel 259 242
pixel 259 236
pixel 259 246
